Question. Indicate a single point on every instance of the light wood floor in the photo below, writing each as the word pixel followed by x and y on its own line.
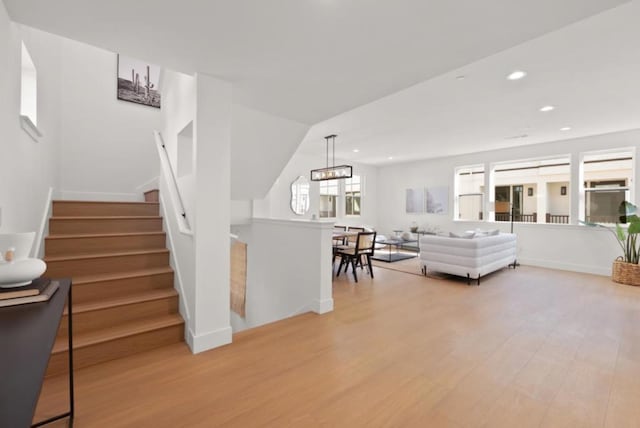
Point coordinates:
pixel 528 348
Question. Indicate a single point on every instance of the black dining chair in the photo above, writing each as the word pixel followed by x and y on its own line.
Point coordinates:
pixel 352 239
pixel 338 229
pixel 364 247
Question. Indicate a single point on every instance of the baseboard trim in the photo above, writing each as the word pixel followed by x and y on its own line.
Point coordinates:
pixel 551 264
pixel 71 195
pixel 210 340
pixel 322 306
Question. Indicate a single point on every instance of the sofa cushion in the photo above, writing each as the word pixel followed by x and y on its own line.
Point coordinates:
pixel 466 235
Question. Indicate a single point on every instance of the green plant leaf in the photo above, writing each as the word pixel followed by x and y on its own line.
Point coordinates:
pixel 620 233
pixel 627 209
pixel 634 228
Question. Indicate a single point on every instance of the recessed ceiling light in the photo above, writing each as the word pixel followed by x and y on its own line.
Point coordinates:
pixel 517 75
pixel 390 157
pixel 356 150
pixel 566 128
pixel 547 108
pixel 461 77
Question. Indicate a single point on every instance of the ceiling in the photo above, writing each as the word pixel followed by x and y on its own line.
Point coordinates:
pixel 387 76
pixel 590 71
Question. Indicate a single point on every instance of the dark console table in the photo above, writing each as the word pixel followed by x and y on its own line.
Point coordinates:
pixel 27 333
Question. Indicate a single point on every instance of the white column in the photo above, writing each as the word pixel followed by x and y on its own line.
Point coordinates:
pixel 541 200
pixel 323 302
pixel 576 188
pixel 489 193
pixel 212 145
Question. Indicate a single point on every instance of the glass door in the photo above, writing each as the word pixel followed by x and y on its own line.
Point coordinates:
pixel 516 200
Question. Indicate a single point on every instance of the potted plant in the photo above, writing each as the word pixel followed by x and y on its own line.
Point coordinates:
pixel 626 269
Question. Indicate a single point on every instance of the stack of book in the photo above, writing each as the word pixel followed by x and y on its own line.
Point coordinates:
pixel 40 290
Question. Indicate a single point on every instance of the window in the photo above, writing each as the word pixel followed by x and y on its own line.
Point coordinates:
pixel 328 198
pixel 469 183
pixel 29 88
pixel 607 180
pixel 29 95
pixel 533 191
pixel 352 195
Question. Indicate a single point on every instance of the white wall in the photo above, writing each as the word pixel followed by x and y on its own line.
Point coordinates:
pixel 288 272
pixel 202 260
pixel 212 136
pixel 107 145
pixel 262 146
pixel 28 169
pixel 571 247
pixel 179 109
pixel 557 202
pixel 277 202
pixel 530 203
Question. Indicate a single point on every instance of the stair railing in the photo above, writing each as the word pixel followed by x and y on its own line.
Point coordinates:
pixel 174 190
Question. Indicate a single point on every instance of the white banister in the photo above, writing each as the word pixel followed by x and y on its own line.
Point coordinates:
pixel 173 189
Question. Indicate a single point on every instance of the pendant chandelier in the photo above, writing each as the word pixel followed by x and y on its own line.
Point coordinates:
pixel 331 172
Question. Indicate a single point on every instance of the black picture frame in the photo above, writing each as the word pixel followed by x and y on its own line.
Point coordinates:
pixel 137 81
pixel 563 190
pixel 530 191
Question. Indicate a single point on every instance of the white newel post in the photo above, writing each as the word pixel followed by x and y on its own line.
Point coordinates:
pixel 212 154
pixel 324 301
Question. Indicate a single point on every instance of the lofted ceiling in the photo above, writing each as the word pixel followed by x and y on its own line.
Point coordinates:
pixel 397 81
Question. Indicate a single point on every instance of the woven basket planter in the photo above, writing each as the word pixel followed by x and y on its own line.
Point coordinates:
pixel 626 273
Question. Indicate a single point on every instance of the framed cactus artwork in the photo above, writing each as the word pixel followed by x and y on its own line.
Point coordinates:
pixel 138 81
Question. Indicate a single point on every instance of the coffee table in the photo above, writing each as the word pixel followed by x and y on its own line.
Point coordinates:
pixel 390 256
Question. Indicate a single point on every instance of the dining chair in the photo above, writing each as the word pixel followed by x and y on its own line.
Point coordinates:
pixel 338 241
pixel 342 240
pixel 351 240
pixel 364 248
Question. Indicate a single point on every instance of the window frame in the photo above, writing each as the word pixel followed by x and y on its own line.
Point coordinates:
pixel 564 159
pixel 583 189
pixel 336 197
pixel 28 94
pixel 456 189
pixel 352 194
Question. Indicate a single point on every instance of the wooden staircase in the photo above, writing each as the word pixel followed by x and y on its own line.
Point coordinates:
pixel 123 296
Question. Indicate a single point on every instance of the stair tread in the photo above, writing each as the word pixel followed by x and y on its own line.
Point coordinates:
pixel 105 202
pixel 108 254
pixel 84 279
pixel 131 299
pixel 107 217
pixel 81 340
pixel 104 235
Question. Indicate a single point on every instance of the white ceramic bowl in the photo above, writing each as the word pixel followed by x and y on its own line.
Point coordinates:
pixel 22 242
pixel 20 272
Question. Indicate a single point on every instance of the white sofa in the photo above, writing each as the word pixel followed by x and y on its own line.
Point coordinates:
pixel 470 257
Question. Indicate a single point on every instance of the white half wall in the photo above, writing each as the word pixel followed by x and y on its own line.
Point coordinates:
pixel 288 270
pixel 28 169
pixel 569 247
